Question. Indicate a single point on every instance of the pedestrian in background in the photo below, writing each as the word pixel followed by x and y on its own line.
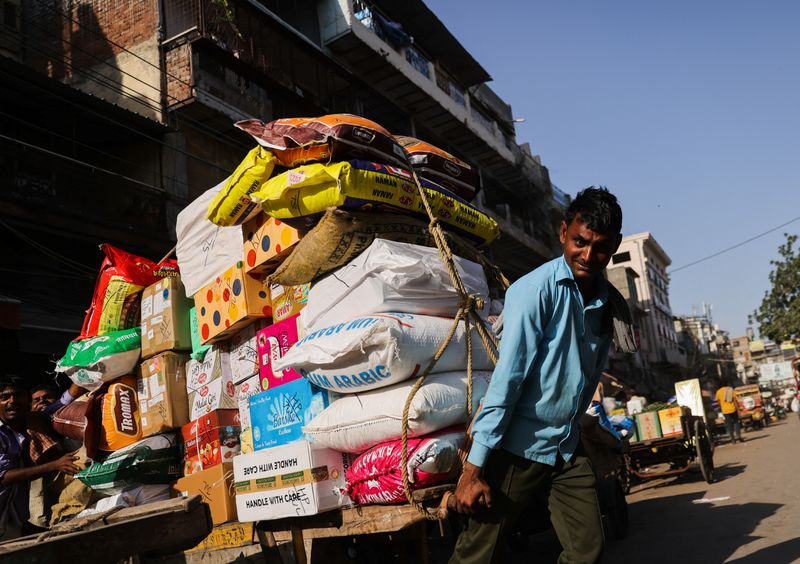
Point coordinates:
pixel 727 405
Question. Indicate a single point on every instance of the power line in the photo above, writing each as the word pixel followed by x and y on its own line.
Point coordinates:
pixel 99 33
pixel 737 245
pixel 88 271
pixel 158 190
pixel 156 104
pixel 82 107
pixel 92 147
pixel 118 87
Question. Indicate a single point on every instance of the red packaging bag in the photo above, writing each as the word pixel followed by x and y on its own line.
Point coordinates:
pixel 375 476
pixel 117 294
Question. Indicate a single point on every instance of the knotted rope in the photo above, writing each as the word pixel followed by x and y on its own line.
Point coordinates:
pixel 467 312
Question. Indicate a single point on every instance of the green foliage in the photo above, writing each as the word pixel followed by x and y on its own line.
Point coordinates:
pixel 778 316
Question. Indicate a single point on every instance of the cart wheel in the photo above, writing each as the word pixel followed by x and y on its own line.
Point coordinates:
pixel 705 452
pixel 625 475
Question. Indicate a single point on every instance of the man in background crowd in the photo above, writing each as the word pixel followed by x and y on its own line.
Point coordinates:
pixel 18 458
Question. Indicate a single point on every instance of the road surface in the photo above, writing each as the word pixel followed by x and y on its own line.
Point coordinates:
pixel 751 514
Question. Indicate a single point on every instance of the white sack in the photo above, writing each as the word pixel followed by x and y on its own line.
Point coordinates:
pixel 356 422
pixel 137 495
pixel 390 276
pixel 380 350
pixel 205 250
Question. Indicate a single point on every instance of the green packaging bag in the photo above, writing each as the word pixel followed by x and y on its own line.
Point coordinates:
pixel 91 362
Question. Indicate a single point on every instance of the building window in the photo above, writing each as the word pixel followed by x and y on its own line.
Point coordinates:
pixel 621 257
pixel 484 120
pixel 418 61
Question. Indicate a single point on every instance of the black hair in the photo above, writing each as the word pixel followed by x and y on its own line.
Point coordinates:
pixel 46 388
pixel 11 381
pixel 598 208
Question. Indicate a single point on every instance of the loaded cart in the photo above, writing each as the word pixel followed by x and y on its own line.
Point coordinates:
pixel 670 436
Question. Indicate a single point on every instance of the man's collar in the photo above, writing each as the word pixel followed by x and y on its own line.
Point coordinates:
pixel 564 272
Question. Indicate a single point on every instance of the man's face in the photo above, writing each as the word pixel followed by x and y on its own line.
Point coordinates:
pixel 14 404
pixel 41 399
pixel 587 252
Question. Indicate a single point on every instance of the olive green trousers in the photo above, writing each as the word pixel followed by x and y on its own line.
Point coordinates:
pixel 569 488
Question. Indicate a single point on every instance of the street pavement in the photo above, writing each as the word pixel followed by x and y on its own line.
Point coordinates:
pixel 749 515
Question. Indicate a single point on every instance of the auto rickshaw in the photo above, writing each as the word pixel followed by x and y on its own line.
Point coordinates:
pixel 750 406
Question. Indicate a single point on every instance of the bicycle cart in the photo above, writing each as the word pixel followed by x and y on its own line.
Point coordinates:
pixel 683 443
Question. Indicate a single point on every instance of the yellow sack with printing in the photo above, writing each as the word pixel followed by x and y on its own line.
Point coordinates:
pixel 233 205
pixel 309 190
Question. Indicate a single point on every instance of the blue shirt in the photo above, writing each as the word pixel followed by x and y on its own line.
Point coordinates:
pixel 553 350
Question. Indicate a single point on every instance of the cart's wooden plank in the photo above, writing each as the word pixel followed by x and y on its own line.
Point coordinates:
pixel 178 526
pixel 359 520
pixel 352 522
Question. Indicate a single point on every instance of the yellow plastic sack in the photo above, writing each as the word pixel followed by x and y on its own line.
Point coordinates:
pixel 233 205
pixel 366 186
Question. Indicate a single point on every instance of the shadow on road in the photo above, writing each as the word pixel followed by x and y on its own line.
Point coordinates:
pixel 787 551
pixel 692 532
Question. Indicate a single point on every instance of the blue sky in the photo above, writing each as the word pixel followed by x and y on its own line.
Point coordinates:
pixel 688 111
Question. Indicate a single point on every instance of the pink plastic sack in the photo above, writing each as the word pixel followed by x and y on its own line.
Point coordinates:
pixel 375 475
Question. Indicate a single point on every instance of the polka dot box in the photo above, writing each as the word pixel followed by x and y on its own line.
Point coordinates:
pixel 267 241
pixel 230 302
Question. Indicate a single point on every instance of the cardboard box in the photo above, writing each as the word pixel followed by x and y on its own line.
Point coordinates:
pixel 648 426
pixel 209 383
pixel 199 350
pixel 243 354
pixel 233 300
pixel 267 242
pixel 161 388
pixel 278 415
pixel 272 343
pixel 289 481
pixel 215 485
pixel 165 317
pixel 210 440
pixel 670 421
pixel 246 438
pixel 287 300
pixel 244 392
pixel 229 535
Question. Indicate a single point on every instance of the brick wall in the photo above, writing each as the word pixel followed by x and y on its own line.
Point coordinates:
pixel 179 73
pixel 69 35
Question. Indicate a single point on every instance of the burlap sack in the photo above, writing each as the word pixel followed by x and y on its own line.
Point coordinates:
pixel 341 236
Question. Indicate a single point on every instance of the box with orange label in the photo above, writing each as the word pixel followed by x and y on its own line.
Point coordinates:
pixel 267 243
pixel 670 420
pixel 287 300
pixel 215 485
pixel 230 302
pixel 210 440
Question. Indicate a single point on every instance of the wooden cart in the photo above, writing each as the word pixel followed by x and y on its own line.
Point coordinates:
pixel 692 444
pixel 401 520
pixel 162 527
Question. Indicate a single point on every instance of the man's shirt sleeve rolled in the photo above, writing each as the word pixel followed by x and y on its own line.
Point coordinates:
pixel 524 319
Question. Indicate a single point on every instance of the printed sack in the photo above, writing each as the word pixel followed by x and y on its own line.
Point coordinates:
pixel 299 196
pixel 376 476
pixel 356 422
pixel 232 205
pixel 379 350
pixel 439 166
pixel 335 137
pixel 116 299
pixel 91 362
pixel 387 277
pixel 154 460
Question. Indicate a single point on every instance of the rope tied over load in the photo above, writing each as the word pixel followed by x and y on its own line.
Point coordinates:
pixel 468 307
